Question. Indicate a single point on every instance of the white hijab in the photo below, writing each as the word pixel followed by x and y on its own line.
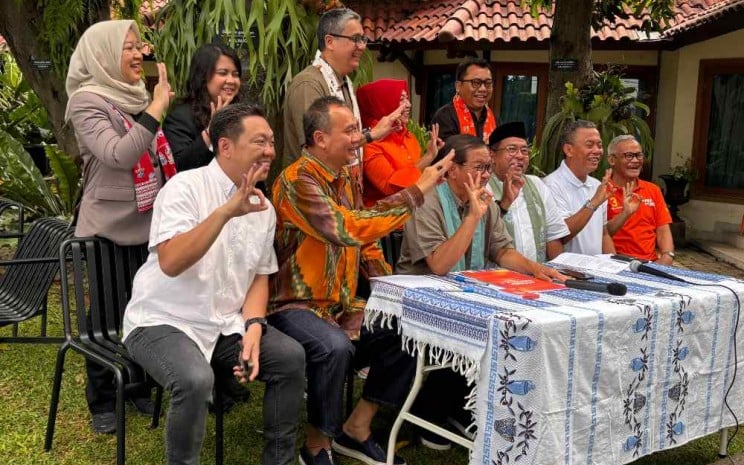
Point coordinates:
pixel 95 66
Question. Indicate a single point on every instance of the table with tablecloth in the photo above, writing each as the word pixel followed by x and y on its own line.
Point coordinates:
pixel 573 377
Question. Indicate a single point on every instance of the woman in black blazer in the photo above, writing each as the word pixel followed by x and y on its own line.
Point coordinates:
pixel 214 81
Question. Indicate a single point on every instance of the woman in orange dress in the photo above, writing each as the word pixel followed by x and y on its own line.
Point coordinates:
pixel 395 162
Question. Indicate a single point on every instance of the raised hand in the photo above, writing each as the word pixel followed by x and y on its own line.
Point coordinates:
pixel 240 203
pixel 435 143
pixel 631 200
pixel 389 123
pixel 478 197
pixel 432 175
pixel 161 94
pixel 513 183
pixel 603 190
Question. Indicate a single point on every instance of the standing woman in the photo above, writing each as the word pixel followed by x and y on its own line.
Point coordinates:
pixel 126 160
pixel 214 81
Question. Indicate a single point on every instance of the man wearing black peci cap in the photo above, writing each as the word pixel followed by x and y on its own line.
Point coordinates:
pixel 526 204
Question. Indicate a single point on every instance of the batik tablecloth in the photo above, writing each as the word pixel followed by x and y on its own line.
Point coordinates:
pixel 576 377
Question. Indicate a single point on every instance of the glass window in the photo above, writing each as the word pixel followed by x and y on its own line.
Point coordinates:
pixel 519 101
pixel 440 90
pixel 724 165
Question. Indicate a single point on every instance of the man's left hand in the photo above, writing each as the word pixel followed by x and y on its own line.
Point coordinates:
pixel 250 352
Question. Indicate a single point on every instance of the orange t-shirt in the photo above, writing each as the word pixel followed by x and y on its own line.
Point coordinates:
pixel 637 237
pixel 390 166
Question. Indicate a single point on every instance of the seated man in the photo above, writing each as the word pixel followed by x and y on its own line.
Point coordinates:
pixel 324 239
pixel 458 227
pixel 579 197
pixel 637 215
pixel 526 203
pixel 204 290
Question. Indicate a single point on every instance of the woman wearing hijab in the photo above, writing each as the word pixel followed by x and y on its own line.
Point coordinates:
pixel 213 82
pixel 126 159
pixel 395 162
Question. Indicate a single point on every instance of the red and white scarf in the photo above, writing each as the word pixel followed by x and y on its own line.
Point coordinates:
pixel 145 181
pixel 465 119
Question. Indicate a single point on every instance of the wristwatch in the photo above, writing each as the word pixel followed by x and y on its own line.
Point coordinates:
pixel 589 205
pixel 668 252
pixel 367 135
pixel 258 320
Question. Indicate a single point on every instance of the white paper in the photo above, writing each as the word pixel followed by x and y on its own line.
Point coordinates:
pixel 589 262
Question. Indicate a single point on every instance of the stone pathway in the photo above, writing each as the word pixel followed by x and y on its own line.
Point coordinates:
pixel 696 259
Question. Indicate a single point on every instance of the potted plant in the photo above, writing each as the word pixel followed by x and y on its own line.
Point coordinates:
pixel 675 186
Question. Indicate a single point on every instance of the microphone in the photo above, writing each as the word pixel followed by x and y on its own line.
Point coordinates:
pixel 607 288
pixel 638 267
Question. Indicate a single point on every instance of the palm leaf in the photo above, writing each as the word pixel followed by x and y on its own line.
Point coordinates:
pixel 67 175
pixel 21 180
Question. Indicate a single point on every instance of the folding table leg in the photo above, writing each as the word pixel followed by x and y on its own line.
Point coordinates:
pixel 417 382
pixel 722 452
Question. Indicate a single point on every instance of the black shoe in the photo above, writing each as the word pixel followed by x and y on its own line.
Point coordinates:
pixel 369 451
pixel 324 457
pixel 433 441
pixel 143 406
pixel 104 423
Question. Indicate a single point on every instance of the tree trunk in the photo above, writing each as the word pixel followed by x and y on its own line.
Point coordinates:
pixel 570 38
pixel 21 24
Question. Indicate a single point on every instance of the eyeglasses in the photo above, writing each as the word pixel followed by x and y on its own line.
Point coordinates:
pixel 477 83
pixel 481 168
pixel 513 150
pixel 631 155
pixel 358 39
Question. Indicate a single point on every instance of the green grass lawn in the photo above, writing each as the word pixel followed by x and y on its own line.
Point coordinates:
pixel 26 372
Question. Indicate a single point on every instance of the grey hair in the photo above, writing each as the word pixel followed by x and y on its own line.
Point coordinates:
pixel 617 141
pixel 570 128
pixel 333 22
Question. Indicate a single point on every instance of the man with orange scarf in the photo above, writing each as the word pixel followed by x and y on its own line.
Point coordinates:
pixel 469 113
pixel 396 161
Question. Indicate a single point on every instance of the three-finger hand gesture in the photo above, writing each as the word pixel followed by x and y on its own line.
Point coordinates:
pixel 631 200
pixel 161 94
pixel 478 198
pixel 240 203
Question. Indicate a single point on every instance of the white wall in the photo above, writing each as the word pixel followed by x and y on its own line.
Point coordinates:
pixel 675 126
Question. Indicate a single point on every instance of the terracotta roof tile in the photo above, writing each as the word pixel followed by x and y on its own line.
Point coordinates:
pixel 412 21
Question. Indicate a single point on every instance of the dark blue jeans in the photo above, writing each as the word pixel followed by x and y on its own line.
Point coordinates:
pixel 177 364
pixel 329 352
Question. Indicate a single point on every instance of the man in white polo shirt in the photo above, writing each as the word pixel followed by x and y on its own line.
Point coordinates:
pixel 581 198
pixel 204 290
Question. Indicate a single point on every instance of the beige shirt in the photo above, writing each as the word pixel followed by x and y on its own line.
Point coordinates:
pixel 305 88
pixel 426 231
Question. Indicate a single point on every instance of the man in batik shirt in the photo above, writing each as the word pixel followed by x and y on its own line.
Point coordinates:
pixel 324 239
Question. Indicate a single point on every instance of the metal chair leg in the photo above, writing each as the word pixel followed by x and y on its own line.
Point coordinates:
pixel 417 382
pixel 59 368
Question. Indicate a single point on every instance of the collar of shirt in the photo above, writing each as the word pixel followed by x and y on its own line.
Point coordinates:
pixel 569 176
pixel 225 183
pixel 323 169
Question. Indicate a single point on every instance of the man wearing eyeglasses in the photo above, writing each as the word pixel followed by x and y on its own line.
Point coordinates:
pixel 469 113
pixel 638 217
pixel 341 44
pixel 526 204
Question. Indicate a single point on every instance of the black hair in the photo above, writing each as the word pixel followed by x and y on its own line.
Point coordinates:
pixel 228 122
pixel 462 68
pixel 462 144
pixel 318 117
pixel 202 69
pixel 570 128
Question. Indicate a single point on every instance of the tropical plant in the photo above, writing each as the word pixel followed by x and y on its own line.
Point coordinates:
pixel 22 114
pixel 684 171
pixel 604 101
pixel 420 133
pixel 21 180
pixel 276 38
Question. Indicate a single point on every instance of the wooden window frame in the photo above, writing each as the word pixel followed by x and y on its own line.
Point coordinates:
pixel 708 70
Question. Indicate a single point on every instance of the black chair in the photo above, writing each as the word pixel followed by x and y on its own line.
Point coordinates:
pixel 29 275
pixel 391 245
pixel 13 206
pixel 96 290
